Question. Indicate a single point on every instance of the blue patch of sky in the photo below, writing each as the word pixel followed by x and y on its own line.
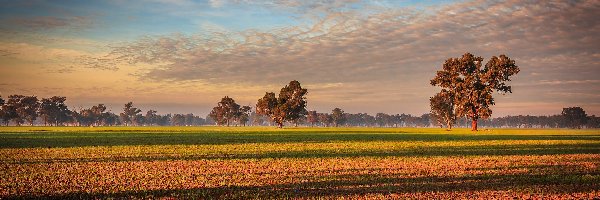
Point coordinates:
pixel 243 17
pixel 126 20
pixel 419 4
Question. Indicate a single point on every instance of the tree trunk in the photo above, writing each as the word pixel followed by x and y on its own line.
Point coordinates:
pixel 474 118
pixel 474 125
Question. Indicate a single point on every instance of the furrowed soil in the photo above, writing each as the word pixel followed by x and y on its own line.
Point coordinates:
pixel 297 163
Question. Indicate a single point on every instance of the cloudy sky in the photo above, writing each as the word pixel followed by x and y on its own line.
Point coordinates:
pixel 182 56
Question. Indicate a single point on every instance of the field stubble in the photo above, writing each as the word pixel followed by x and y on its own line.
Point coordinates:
pixel 297 163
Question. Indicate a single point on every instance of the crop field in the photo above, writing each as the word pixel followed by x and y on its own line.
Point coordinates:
pixel 303 163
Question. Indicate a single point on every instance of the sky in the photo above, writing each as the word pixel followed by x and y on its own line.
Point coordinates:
pixel 368 56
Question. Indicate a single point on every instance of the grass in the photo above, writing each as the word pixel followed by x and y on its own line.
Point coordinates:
pixel 265 162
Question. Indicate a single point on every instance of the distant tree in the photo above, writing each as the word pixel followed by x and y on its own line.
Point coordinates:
pixel 269 106
pixel 110 119
pixel 358 119
pixel 410 121
pixel 12 106
pixel 293 101
pixel 188 119
pixel 290 106
pixel 425 120
pixel 85 117
pixel 382 119
pixel 210 120
pixel 53 110
pixel 593 122
pixel 575 117
pixel 243 116
pixel 257 119
pixel 473 85
pixel 29 109
pixel 365 119
pixel 164 120
pixel 398 120
pixel 9 110
pixel 98 114
pixel 225 111
pixel 138 119
pixel 442 108
pixel 197 121
pixel 325 119
pixel 312 117
pixel 129 115
pixel 124 119
pixel 338 117
pixel 178 120
pixel 1 109
pixel 192 120
pixel 151 117
pixel 21 108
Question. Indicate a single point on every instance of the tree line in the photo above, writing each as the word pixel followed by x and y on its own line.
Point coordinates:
pixel 571 117
pixel 53 111
pixel 467 88
pixel 289 107
pixel 337 117
pixel 20 109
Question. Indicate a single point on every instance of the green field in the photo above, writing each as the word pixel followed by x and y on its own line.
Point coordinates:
pixel 250 162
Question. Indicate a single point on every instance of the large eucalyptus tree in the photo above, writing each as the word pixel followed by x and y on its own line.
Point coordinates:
pixel 472 84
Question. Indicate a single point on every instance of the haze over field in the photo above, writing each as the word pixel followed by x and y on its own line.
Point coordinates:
pixel 180 56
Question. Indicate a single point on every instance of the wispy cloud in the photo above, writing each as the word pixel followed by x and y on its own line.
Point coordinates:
pixel 60 60
pixel 562 82
pixel 174 2
pixel 52 22
pixel 348 47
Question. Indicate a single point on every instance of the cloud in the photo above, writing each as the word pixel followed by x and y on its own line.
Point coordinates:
pixel 58 60
pixel 99 63
pixel 174 2
pixel 216 3
pixel 51 22
pixel 296 5
pixel 562 82
pixel 388 45
pixel 4 53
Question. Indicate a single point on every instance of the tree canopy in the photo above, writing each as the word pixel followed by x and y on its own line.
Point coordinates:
pixel 338 117
pixel 54 110
pixel 575 117
pixel 290 106
pixel 472 84
pixel 227 111
pixel 442 108
pixel 130 115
